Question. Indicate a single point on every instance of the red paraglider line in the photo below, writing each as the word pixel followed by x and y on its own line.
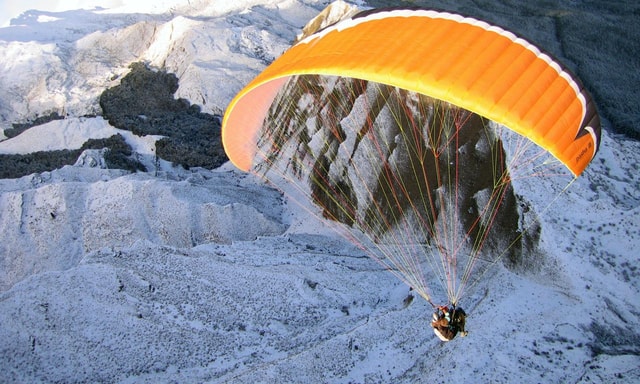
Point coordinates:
pixel 409 261
pixel 425 223
pixel 403 250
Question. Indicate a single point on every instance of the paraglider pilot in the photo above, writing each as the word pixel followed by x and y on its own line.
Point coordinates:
pixel 447 323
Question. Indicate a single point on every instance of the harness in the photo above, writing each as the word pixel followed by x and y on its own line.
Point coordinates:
pixel 451 318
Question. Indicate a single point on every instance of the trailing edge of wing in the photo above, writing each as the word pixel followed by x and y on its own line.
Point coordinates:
pixel 463 61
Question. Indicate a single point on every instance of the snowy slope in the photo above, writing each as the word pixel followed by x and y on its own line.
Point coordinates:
pixel 61 62
pixel 211 276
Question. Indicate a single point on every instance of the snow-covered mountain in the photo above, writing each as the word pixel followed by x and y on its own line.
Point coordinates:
pixel 175 275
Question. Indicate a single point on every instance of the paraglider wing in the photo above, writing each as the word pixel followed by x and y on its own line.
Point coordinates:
pixel 387 122
pixel 462 61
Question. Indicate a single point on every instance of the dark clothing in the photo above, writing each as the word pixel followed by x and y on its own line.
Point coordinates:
pixel 447 323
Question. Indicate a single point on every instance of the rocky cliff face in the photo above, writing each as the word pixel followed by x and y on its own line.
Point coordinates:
pixel 396 166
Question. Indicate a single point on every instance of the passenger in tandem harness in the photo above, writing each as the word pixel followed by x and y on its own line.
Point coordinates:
pixel 447 323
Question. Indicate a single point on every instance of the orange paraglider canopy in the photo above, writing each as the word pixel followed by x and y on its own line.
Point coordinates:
pixel 463 61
